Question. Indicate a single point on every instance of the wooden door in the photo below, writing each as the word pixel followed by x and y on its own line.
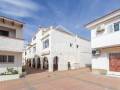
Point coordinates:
pixel 114 60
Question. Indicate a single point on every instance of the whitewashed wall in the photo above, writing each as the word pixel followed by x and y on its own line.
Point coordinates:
pixel 59 45
pixel 100 62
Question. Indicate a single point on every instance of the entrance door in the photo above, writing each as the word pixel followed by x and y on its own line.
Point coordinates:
pixel 114 61
pixel 55 64
pixel 69 66
pixel 45 63
pixel 38 63
pixel 33 63
pixel 29 63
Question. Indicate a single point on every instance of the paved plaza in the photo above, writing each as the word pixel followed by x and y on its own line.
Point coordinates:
pixel 81 79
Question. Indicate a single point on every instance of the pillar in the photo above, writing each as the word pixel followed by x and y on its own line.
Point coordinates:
pixel 35 63
pixel 50 62
pixel 41 59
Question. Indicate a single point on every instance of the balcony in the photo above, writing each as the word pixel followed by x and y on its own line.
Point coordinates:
pixel 11 44
pixel 45 52
pixel 106 40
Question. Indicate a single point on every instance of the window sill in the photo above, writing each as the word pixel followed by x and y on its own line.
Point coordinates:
pixel 6 62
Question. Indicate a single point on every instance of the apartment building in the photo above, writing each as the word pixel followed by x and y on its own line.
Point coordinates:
pixel 55 48
pixel 105 43
pixel 11 47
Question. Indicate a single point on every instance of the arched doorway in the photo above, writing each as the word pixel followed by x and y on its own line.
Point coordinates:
pixel 33 63
pixel 38 63
pixel 55 63
pixel 45 63
pixel 69 66
pixel 29 63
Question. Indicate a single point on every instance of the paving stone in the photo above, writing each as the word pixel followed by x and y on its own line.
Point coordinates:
pixel 81 79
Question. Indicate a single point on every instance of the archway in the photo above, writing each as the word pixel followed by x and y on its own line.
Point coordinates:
pixel 45 63
pixel 55 63
pixel 33 63
pixel 38 63
pixel 29 62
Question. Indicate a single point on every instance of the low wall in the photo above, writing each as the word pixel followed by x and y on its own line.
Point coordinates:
pixel 9 77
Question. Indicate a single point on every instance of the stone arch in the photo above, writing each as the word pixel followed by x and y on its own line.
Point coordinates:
pixel 69 65
pixel 29 62
pixel 26 62
pixel 38 63
pixel 33 63
pixel 45 63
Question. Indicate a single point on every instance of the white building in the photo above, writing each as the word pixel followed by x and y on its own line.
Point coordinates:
pixel 24 54
pixel 54 48
pixel 105 42
pixel 11 46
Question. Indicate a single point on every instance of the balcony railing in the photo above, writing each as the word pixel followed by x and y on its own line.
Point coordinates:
pixel 11 44
pixel 107 40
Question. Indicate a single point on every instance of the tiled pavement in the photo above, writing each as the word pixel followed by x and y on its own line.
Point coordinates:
pixel 67 80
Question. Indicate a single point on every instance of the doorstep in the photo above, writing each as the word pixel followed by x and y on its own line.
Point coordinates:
pixel 113 74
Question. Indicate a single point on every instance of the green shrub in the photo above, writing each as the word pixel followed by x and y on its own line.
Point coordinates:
pixel 10 70
pixel 14 72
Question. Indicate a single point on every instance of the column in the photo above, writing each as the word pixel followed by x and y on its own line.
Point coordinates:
pixel 41 59
pixel 36 63
pixel 50 62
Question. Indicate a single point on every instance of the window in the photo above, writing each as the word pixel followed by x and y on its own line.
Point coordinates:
pixel 117 26
pixel 71 44
pixel 6 59
pixel 77 46
pixel 110 28
pixel 34 49
pixel 10 59
pixel 4 33
pixel 3 58
pixel 46 44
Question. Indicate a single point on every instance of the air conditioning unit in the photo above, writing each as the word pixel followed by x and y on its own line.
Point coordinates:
pixel 96 52
pixel 101 28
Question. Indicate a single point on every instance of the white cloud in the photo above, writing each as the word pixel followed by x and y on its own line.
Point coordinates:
pixel 23 3
pixel 12 11
pixel 21 8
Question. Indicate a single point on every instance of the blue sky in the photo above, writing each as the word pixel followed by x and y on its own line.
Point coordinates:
pixel 72 14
